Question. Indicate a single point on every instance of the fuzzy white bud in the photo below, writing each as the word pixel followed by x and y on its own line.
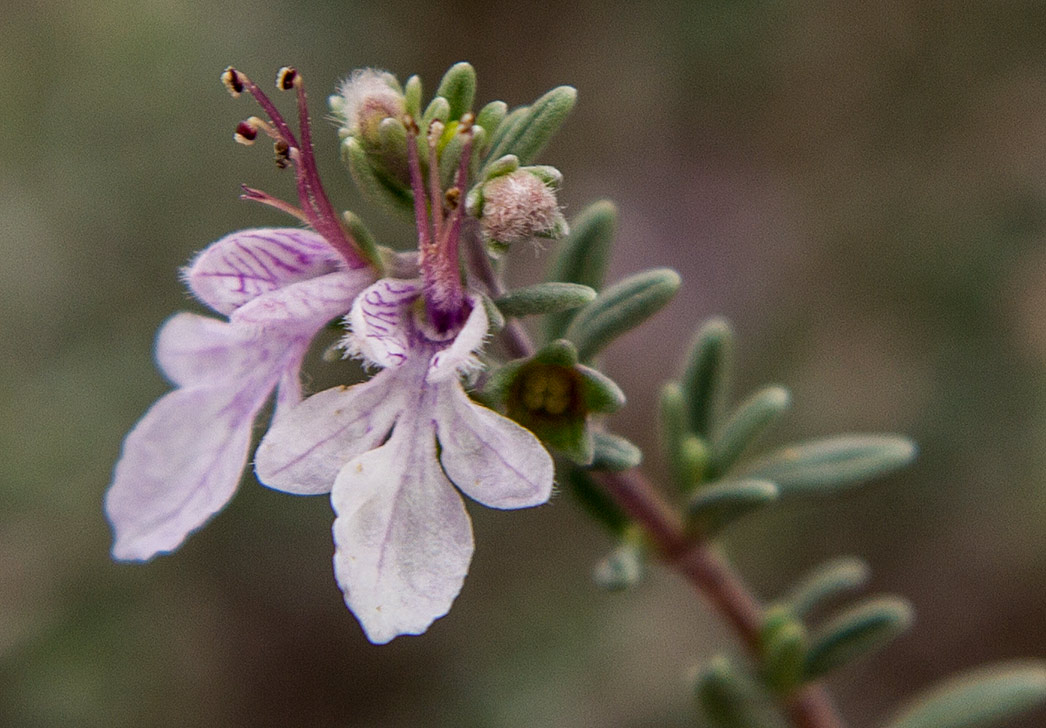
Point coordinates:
pixel 366 98
pixel 517 207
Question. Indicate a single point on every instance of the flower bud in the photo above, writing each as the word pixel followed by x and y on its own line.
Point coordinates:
pixel 519 206
pixel 365 99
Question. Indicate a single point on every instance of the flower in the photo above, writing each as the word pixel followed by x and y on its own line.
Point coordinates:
pixel 391 449
pixel 182 462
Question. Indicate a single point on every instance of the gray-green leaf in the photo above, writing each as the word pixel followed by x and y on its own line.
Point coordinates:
pixel 583 256
pixel 545 298
pixel 827 581
pixel 613 452
pixel 458 87
pixel 527 135
pixel 979 698
pixel 823 465
pixel 706 379
pixel 730 699
pixel 857 632
pixel 749 420
pixel 720 504
pixel 620 308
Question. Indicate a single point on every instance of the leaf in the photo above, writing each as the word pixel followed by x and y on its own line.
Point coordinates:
pixel 528 134
pixel 749 420
pixel 594 500
pixel 544 298
pixel 730 699
pixel 458 87
pixel 827 581
pixel 365 242
pixel 834 462
pixel 613 452
pixel 718 505
pixel 372 183
pixel 687 455
pixel 583 256
pixel 620 308
pixel 623 568
pixel 706 379
pixel 857 632
pixel 412 96
pixel 784 657
pixel 490 117
pixel 978 698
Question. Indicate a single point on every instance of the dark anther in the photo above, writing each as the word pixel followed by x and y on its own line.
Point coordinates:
pixel 452 197
pixel 285 78
pixel 233 82
pixel 282 152
pixel 246 133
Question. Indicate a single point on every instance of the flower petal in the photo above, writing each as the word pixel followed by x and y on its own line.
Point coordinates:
pixel 303 307
pixel 307 445
pixel 248 263
pixel 193 349
pixel 489 457
pixel 457 358
pixel 180 465
pixel 403 539
pixel 381 333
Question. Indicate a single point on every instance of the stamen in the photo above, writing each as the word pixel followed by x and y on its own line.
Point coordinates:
pixel 435 132
pixel 416 185
pixel 246 133
pixel 253 195
pixel 452 197
pixel 285 78
pixel 232 80
pixel 281 153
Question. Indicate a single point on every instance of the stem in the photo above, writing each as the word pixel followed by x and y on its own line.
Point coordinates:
pixel 698 562
pixel 706 569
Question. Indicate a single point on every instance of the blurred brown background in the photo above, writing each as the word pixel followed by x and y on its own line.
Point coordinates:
pixel 860 188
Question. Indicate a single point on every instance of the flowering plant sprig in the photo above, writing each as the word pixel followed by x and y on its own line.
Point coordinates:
pixel 463 398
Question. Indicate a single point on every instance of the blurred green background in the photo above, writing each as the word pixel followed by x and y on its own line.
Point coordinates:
pixel 860 188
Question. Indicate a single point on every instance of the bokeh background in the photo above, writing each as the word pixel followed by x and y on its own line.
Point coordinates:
pixel 859 187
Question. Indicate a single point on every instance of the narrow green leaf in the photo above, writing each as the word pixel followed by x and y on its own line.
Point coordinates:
pixel 979 698
pixel 620 308
pixel 826 582
pixel 490 118
pixel 583 256
pixel 372 183
pixel 623 568
pixel 749 420
pixel 543 118
pixel 545 298
pixel 823 465
pixel 613 452
pixel 594 500
pixel 458 87
pixel 438 108
pixel 706 379
pixel 450 157
pixel 412 96
pixel 673 430
pixel 366 243
pixel 718 505
pixel 784 657
pixel 730 699
pixel 506 130
pixel 857 632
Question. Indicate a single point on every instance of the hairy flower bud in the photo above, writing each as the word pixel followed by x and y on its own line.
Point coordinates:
pixel 365 99
pixel 519 206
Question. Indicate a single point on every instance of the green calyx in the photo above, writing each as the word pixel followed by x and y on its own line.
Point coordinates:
pixel 552 395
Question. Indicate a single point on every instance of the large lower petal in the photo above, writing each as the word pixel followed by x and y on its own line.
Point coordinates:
pixel 248 263
pixel 180 465
pixel 403 540
pixel 489 457
pixel 307 445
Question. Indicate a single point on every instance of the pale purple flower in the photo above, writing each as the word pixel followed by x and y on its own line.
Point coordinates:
pixel 182 462
pixel 391 450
